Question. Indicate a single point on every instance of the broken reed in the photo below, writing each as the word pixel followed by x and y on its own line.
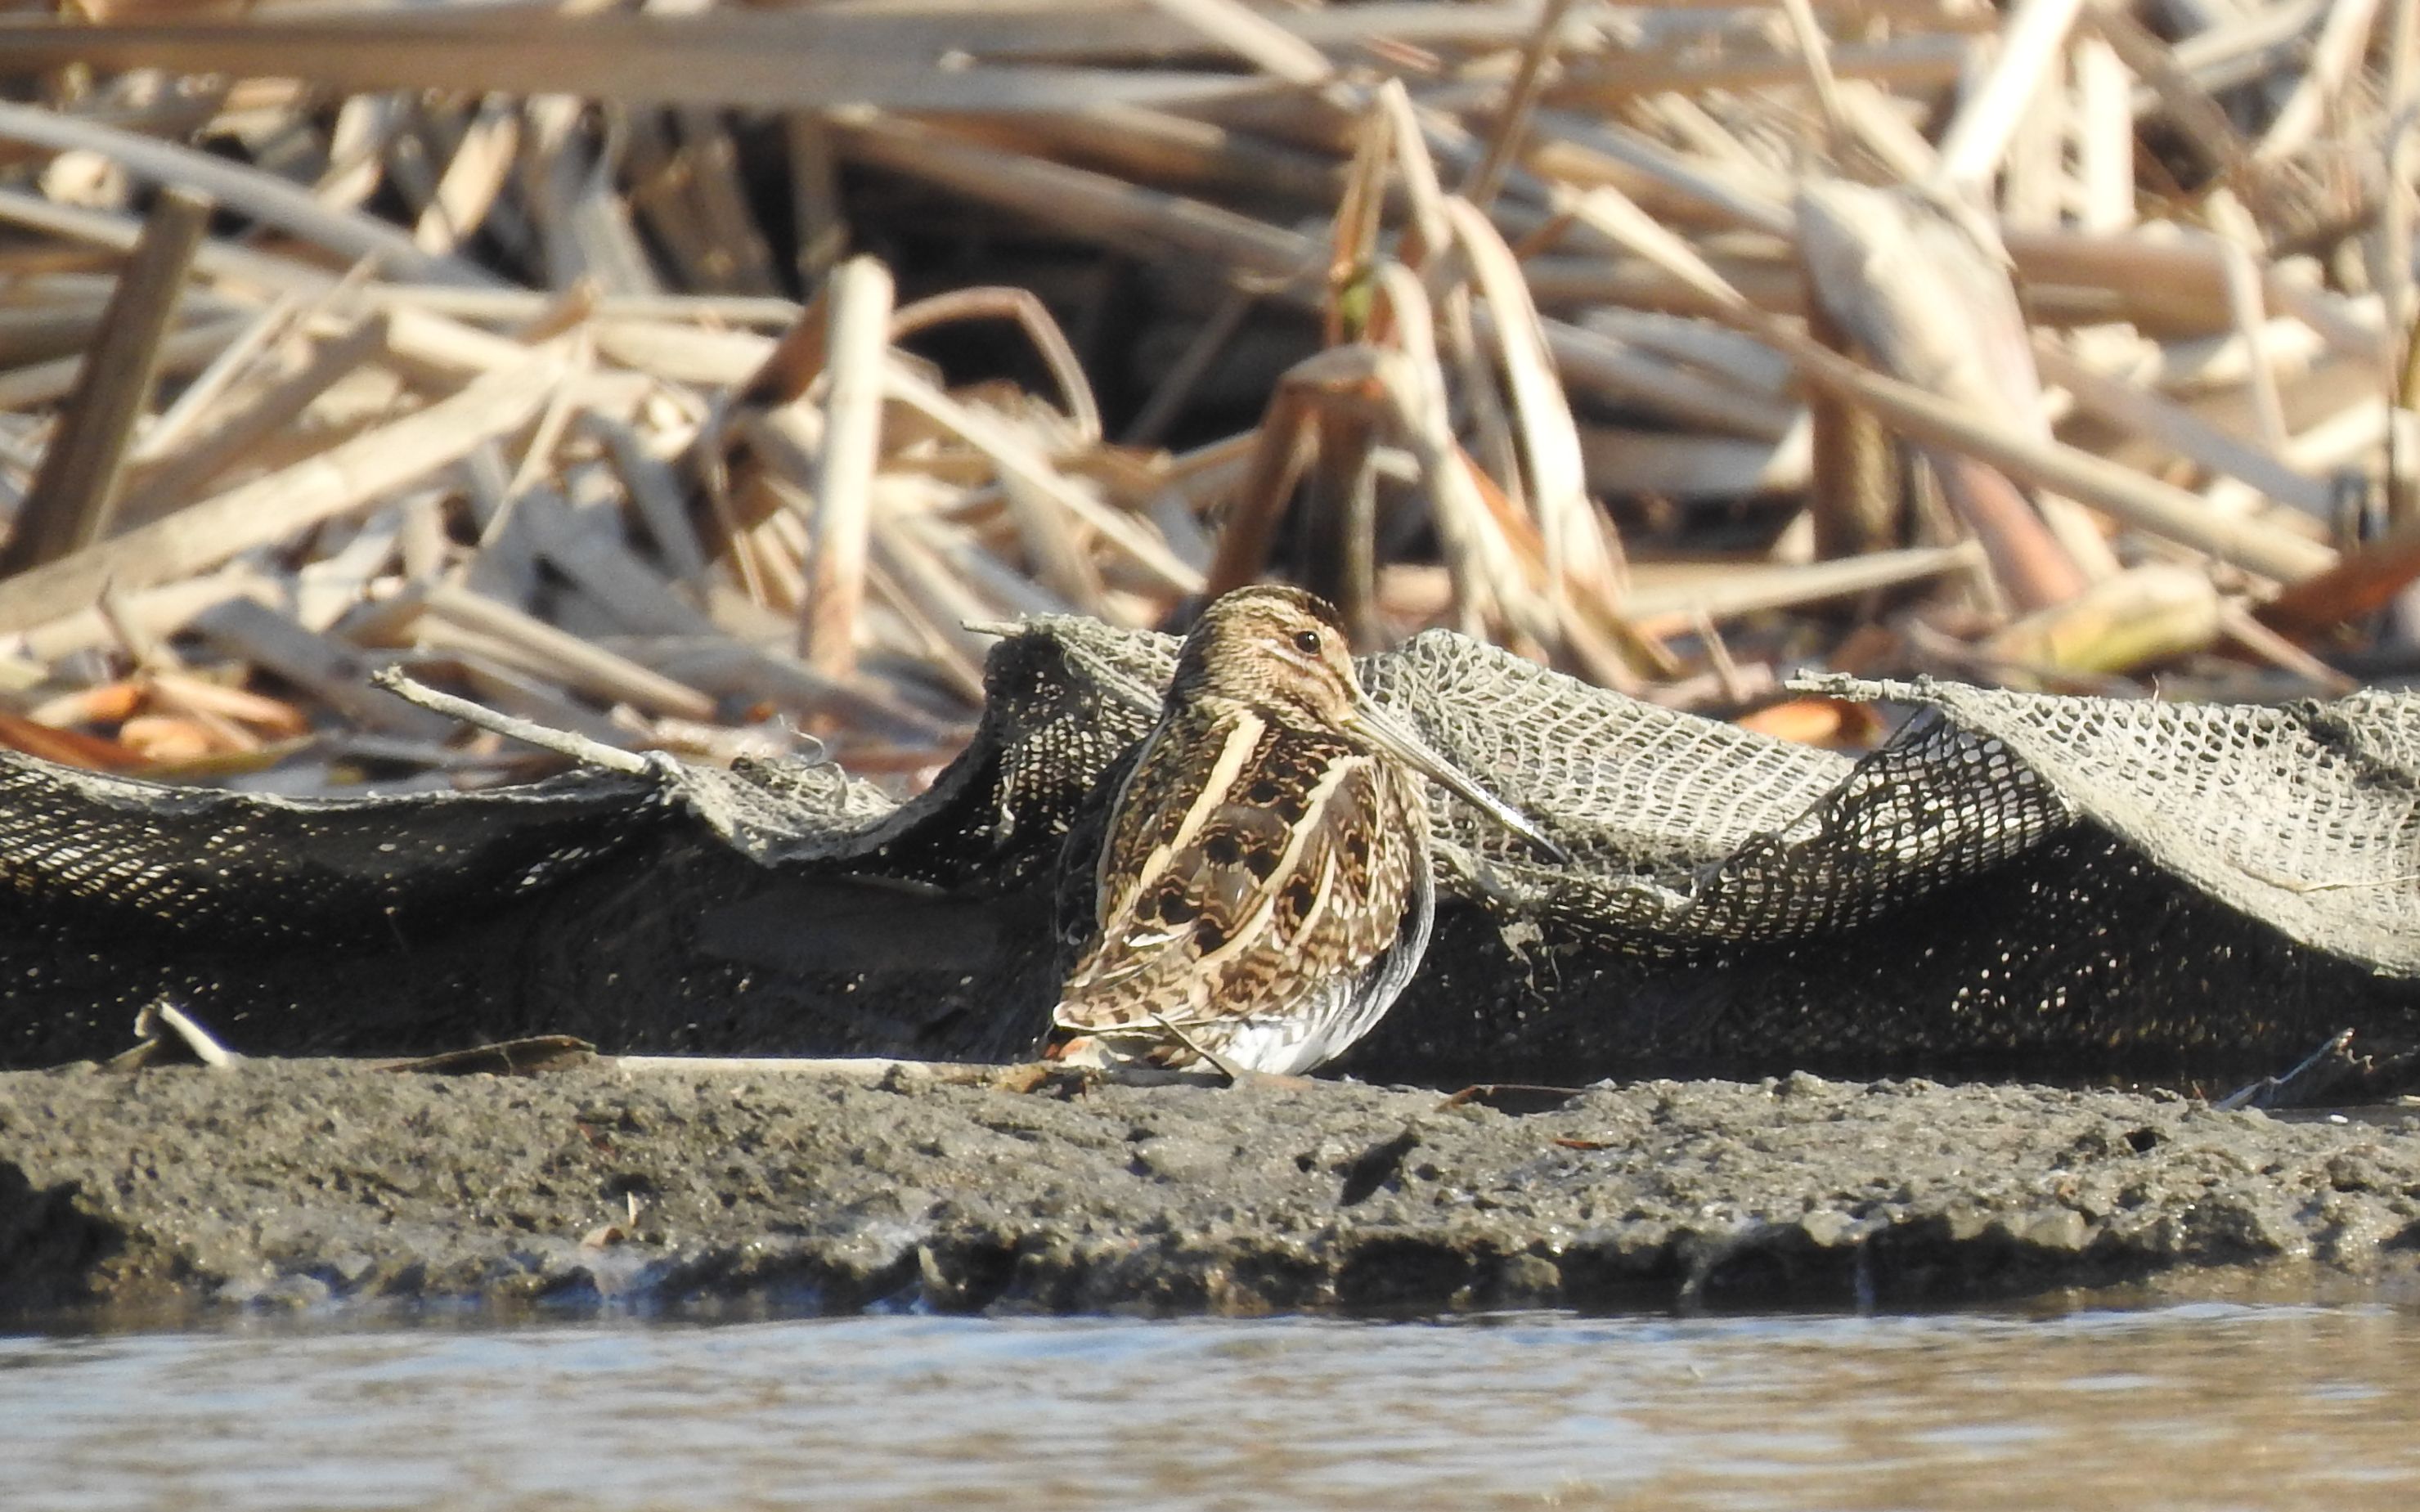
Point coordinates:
pixel 2068 335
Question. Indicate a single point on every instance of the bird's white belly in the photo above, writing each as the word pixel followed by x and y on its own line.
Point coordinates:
pixel 1310 1035
pixel 1280 1047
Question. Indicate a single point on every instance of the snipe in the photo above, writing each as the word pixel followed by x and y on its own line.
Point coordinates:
pixel 1263 893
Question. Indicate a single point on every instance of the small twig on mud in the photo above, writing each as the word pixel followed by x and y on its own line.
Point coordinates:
pixel 2316 1073
pixel 198 1040
pixel 868 1068
pixel 525 1057
pixel 1522 1094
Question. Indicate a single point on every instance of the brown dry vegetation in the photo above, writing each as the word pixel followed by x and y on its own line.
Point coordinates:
pixel 701 379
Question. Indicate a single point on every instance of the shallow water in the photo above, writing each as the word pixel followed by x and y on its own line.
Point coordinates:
pixel 2189 1406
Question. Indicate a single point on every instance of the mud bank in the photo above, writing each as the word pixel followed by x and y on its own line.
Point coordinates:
pixel 306 1185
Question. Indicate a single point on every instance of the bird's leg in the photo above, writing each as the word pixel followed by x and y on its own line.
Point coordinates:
pixel 1168 1027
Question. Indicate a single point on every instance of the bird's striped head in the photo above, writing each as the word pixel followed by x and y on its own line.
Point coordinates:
pixel 1276 648
pixel 1283 652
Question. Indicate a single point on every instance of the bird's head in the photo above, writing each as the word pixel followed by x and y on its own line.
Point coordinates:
pixel 1284 651
pixel 1276 648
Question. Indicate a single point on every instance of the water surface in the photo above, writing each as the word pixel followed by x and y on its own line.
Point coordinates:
pixel 2202 1406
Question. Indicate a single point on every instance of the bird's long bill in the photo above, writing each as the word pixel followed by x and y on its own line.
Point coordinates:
pixel 1396 739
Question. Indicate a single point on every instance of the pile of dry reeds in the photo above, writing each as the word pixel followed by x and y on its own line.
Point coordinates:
pixel 1680 345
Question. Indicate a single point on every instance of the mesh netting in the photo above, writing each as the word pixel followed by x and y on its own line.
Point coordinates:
pixel 2015 885
pixel 97 852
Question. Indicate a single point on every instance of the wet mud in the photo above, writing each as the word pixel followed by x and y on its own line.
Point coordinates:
pixel 178 1191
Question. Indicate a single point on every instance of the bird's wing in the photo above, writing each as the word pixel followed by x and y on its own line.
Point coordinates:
pixel 1233 892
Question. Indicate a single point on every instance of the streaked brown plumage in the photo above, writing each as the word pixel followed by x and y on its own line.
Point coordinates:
pixel 1264 893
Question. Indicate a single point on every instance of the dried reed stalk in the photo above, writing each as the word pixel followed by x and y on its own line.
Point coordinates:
pixel 510 391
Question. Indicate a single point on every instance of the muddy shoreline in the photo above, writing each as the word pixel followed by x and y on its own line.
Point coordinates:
pixel 177 1193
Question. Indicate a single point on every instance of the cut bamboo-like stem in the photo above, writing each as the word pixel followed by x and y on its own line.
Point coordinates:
pixel 750 58
pixel 468 190
pixel 2104 137
pixel 1742 590
pixel 333 672
pixel 1254 37
pixel 1918 62
pixel 1815 52
pixel 2035 189
pixel 252 191
pixel 843 475
pixel 2141 617
pixel 156 490
pixel 1026 465
pixel 567 657
pixel 1512 123
pixel 72 499
pixel 2181 430
pixel 1280 447
pixel 169 428
pixel 271 509
pixel 1978 134
pixel 1914 281
pixel 194 1038
pixel 2245 305
pixel 1542 416
pixel 213 259
pixel 1090 203
pixel 817 215
pixel 1481 562
pixel 179 351
pixel 2342 38
pixel 2146 502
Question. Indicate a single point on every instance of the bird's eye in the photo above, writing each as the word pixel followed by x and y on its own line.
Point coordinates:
pixel 1306 641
